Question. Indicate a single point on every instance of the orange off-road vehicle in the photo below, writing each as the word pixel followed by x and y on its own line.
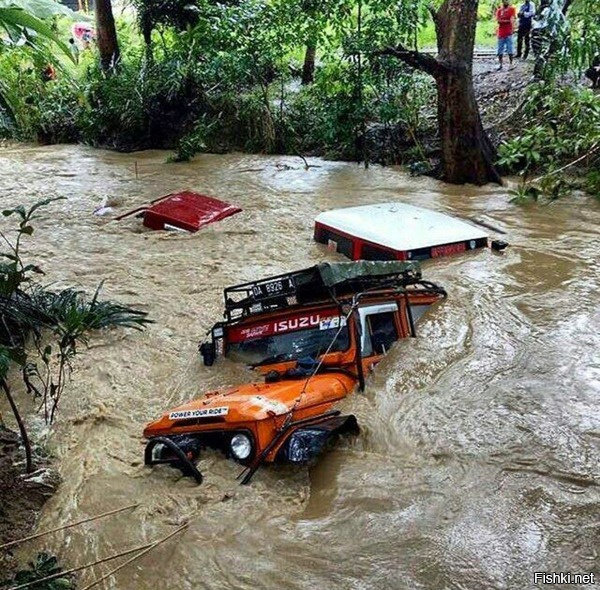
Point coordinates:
pixel 313 335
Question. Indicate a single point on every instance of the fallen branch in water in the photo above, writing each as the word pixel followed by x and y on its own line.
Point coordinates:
pixel 487 225
pixel 595 147
pixel 67 526
pixel 82 567
pixel 306 164
pixel 140 554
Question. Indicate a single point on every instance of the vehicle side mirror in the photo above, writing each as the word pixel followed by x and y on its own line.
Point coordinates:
pixel 208 351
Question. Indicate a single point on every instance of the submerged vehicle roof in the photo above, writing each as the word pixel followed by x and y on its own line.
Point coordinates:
pixel 400 226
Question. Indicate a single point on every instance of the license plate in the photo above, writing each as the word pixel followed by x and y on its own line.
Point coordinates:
pixel 277 287
pixel 448 250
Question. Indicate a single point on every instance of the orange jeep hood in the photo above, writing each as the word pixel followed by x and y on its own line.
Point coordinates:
pixel 255 401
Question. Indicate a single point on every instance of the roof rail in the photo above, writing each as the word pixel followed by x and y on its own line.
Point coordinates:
pixel 315 284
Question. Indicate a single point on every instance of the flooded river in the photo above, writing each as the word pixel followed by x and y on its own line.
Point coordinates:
pixel 478 462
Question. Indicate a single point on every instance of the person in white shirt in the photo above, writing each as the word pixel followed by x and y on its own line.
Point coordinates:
pixel 525 14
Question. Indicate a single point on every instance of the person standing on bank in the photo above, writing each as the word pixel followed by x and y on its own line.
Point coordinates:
pixel 526 14
pixel 506 16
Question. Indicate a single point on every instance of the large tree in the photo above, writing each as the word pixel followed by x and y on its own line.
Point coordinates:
pixel 467 152
pixel 106 35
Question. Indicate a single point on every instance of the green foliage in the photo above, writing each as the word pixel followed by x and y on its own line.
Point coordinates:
pixel 72 315
pixel 592 183
pixel 553 135
pixel 579 42
pixel 44 566
pixel 13 272
pixel 213 76
pixel 5 360
pixel 23 20
pixel 524 193
pixel 32 107
pixel 55 323
pixel 218 76
pixel 523 153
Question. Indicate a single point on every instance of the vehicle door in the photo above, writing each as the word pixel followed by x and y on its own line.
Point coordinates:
pixel 380 328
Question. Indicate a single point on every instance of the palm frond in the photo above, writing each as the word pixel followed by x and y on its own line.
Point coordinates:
pixel 75 314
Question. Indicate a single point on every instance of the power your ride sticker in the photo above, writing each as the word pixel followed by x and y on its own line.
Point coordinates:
pixel 203 413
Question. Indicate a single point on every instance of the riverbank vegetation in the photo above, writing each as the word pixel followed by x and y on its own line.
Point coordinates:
pixel 349 79
pixel 41 333
pixel 40 328
pixel 44 567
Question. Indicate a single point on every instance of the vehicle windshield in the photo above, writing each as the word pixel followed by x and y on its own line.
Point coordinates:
pixel 312 342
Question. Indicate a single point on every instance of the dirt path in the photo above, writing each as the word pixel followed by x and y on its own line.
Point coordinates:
pixel 500 92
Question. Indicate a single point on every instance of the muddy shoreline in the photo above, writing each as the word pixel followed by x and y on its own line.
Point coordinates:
pixel 23 496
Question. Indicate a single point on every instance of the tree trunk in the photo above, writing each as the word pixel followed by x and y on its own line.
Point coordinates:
pixel 467 152
pixel 308 69
pixel 21 425
pixel 106 35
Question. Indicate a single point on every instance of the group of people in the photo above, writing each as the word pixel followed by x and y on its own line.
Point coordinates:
pixel 83 34
pixel 530 25
pixel 537 30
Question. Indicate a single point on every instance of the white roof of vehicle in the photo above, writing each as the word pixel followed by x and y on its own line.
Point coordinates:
pixel 400 226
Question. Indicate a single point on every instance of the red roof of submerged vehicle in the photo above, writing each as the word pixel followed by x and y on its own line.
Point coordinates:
pixel 188 211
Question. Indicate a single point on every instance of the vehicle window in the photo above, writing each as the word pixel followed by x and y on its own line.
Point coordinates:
pixel 383 331
pixel 369 252
pixel 289 346
pixel 420 254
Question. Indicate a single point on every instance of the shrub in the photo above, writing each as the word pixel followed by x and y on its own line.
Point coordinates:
pixel 552 134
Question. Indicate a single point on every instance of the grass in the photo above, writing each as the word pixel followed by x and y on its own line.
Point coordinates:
pixel 485 36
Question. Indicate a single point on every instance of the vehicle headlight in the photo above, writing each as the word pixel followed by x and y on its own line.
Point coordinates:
pixel 241 446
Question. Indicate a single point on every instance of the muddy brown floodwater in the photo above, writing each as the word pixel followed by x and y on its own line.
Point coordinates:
pixel 478 462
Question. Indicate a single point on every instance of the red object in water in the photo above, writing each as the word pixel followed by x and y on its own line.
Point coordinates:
pixel 186 210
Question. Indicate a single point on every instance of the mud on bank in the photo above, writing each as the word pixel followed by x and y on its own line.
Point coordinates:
pixel 23 496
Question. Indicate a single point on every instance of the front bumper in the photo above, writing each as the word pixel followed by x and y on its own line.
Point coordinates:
pixel 305 442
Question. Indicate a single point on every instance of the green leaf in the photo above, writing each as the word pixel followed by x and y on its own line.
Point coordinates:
pixel 40 8
pixel 20 210
pixel 18 17
pixel 43 203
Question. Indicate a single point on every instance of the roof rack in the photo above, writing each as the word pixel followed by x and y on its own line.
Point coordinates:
pixel 314 284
